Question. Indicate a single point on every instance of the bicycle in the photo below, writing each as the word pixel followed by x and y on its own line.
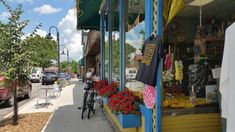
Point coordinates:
pixel 88 99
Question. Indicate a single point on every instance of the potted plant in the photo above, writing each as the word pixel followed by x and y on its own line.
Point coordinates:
pixel 100 84
pixel 124 105
pixel 107 91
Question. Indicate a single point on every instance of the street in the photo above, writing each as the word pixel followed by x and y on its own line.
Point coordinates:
pixel 6 110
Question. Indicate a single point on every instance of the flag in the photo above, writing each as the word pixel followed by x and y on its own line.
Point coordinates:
pixel 166 8
pixel 172 8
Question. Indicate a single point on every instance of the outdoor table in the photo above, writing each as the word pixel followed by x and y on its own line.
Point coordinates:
pixel 46 93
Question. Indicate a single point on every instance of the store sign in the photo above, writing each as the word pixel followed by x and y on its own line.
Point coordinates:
pixel 149 96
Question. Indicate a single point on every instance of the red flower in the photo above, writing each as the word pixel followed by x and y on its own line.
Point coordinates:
pixel 123 102
pixel 100 84
pixel 108 90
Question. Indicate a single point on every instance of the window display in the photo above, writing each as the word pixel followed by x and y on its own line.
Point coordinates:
pixel 188 63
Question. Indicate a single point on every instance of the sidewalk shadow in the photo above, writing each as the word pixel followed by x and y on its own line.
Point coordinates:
pixel 68 118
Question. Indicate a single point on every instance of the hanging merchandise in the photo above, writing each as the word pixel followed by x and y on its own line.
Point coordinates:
pixel 197 78
pixel 152 51
pixel 168 61
pixel 200 40
pixel 178 70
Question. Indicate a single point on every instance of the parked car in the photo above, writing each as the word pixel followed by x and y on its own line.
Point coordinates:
pixel 68 78
pixel 6 95
pixel 36 74
pixel 49 78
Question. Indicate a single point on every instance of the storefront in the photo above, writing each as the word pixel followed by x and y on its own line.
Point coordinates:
pixel 192 33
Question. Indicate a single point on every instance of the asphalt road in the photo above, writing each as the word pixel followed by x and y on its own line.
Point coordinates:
pixel 6 110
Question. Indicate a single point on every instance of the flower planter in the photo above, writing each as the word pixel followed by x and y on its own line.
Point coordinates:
pixel 129 120
pixel 105 100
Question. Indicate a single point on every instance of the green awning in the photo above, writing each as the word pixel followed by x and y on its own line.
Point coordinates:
pixel 88 14
pixel 88 17
pixel 81 62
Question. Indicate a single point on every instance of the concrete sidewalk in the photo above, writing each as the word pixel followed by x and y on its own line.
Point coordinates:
pixel 67 118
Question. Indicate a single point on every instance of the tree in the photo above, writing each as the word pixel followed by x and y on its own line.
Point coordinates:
pixel 15 57
pixel 44 50
pixel 74 67
pixel 116 54
pixel 63 65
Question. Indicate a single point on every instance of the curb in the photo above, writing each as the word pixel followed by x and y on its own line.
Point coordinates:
pixel 44 128
pixel 11 113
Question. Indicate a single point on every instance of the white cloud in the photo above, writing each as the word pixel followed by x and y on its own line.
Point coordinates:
pixel 4 16
pixel 46 9
pixel 69 36
pixel 25 35
pixel 41 32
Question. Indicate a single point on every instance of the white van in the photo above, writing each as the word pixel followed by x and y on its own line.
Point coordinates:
pixel 36 74
pixel 131 73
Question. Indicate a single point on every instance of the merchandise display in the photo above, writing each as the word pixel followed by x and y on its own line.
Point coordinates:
pixel 147 72
pixel 187 76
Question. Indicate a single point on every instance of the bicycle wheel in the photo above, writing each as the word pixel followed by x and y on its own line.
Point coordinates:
pixel 91 104
pixel 84 103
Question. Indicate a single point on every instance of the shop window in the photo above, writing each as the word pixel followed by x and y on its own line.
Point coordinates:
pixel 106 54
pixel 192 52
pixel 134 42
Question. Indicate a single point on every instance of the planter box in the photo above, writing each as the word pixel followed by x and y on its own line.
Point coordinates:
pixel 129 120
pixel 105 101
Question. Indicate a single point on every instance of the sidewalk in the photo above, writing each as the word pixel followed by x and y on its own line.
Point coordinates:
pixel 66 117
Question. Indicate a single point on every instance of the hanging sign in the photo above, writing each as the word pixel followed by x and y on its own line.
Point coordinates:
pixel 149 96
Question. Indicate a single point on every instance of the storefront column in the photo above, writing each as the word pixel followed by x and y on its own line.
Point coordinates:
pixel 110 50
pixel 148 18
pixel 148 31
pixel 102 46
pixel 158 87
pixel 122 30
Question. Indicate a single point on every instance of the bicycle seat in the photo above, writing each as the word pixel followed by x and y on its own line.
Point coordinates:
pixel 87 88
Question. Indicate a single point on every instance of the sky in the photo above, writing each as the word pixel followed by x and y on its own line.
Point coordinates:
pixel 59 13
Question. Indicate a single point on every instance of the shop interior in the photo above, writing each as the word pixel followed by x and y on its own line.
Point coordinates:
pixel 194 43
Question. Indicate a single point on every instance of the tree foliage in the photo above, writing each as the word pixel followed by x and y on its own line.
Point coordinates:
pixel 73 65
pixel 44 50
pixel 116 54
pixel 15 57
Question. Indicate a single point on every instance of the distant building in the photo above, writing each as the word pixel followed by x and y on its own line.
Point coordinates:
pixel 51 69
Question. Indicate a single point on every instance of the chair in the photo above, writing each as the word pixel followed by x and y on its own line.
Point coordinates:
pixel 56 90
pixel 42 96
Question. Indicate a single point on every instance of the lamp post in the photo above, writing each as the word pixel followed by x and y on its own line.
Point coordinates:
pixel 58 42
pixel 63 53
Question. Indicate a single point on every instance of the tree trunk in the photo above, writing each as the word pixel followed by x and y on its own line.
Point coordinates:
pixel 15 116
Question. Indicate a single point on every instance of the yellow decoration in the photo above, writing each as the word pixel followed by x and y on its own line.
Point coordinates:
pixel 178 70
pixel 183 102
pixel 172 8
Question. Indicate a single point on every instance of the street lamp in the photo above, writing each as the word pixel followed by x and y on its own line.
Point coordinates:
pixel 63 53
pixel 58 42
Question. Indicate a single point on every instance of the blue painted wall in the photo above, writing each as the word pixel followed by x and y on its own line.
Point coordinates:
pixel 148 31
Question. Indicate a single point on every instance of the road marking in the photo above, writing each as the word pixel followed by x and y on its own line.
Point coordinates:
pixel 11 113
